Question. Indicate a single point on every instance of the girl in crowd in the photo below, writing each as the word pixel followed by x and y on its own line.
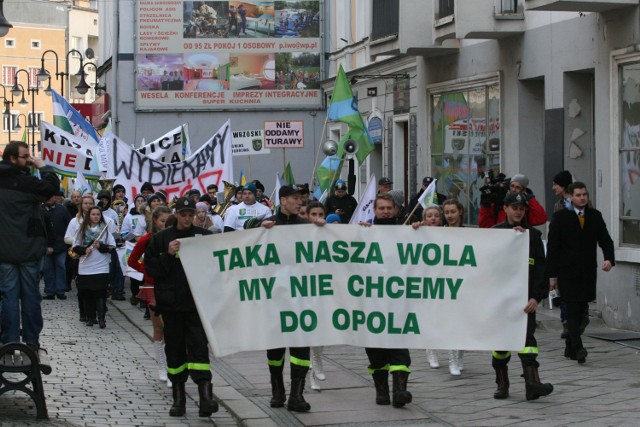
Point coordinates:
pixel 431 217
pixel 95 242
pixel 202 218
pixel 316 212
pixel 453 214
pixel 158 222
pixel 86 202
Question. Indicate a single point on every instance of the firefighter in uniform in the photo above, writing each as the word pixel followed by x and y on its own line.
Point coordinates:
pixel 515 208
pixel 185 340
pixel 383 361
pixel 299 357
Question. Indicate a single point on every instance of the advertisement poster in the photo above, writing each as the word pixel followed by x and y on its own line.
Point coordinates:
pixel 228 55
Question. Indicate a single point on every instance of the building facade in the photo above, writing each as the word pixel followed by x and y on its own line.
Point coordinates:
pixel 518 86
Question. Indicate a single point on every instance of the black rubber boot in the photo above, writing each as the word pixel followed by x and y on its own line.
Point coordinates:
pixel 400 394
pixel 101 307
pixel 296 399
pixel 208 405
pixel 534 388
pixel 502 379
pixel 381 381
pixel 278 395
pixel 179 400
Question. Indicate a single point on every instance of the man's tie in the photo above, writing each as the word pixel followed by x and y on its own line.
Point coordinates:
pixel 581 219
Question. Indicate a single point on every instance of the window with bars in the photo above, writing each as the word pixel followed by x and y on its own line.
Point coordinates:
pixel 385 18
pixel 9 74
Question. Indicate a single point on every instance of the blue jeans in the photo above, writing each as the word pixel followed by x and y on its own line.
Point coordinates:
pixel 116 276
pixel 21 300
pixel 55 274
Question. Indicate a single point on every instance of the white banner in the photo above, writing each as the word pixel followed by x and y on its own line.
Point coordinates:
pixel 211 164
pixel 123 255
pixel 379 286
pixel 68 154
pixel 364 210
pixel 172 147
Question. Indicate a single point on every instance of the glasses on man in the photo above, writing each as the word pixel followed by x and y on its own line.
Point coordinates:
pixel 24 156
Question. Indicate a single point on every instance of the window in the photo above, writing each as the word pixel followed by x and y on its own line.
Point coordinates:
pixel 10 43
pixel 465 143
pixel 76 43
pixel 629 155
pixel 33 78
pixel 9 123
pixel 35 119
pixel 9 75
pixel 385 19
pixel 35 44
pixel 446 8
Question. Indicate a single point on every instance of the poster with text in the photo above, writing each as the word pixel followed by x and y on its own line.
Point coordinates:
pixel 228 55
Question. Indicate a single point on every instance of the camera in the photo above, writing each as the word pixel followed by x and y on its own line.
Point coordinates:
pixel 495 189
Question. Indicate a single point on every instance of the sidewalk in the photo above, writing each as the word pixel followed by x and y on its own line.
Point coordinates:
pixel 108 377
pixel 604 391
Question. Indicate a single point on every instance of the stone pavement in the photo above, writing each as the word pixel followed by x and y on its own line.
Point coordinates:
pixel 107 377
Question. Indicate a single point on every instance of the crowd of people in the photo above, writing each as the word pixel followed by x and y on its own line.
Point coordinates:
pixel 77 239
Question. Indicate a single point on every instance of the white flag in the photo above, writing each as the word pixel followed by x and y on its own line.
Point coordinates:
pixel 276 192
pixel 81 184
pixel 364 211
pixel 324 196
pixel 429 197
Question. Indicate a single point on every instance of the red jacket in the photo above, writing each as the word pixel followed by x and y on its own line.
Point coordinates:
pixel 137 253
pixel 487 217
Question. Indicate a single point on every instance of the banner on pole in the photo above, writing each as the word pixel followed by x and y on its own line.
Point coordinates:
pixel 379 286
pixel 210 164
pixel 172 147
pixel 68 154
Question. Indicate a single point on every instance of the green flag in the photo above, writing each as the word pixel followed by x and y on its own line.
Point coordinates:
pixel 24 135
pixel 288 175
pixel 344 108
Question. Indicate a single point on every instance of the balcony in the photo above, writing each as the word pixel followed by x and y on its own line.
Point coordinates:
pixel 403 27
pixel 579 6
pixel 479 19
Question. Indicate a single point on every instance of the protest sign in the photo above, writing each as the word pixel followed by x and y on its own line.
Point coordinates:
pixel 210 164
pixel 379 286
pixel 172 147
pixel 123 255
pixel 68 154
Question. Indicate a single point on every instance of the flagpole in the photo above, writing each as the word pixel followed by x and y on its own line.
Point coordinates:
pixel 250 176
pixel 411 214
pixel 315 162
pixel 284 159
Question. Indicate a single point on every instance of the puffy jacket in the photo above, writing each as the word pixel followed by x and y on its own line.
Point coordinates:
pixel 23 236
pixel 171 287
pixel 491 215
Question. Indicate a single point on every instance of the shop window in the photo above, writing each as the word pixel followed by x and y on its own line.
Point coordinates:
pixel 629 155
pixel 465 143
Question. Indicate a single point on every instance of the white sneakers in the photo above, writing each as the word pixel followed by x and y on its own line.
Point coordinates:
pixel 455 362
pixel 313 381
pixel 316 363
pixel 432 358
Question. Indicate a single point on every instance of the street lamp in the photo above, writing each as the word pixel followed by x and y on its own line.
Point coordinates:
pixel 18 90
pixel 7 111
pixel 43 74
pixel 5 26
pixel 18 127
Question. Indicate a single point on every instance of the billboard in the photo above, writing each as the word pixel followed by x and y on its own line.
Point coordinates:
pixel 228 55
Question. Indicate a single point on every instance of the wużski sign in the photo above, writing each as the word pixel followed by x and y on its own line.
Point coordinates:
pixel 383 286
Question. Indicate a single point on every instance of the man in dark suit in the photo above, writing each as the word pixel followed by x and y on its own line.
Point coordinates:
pixel 572 260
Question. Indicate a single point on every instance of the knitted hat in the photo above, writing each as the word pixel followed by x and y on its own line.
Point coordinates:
pixel 520 179
pixel 398 197
pixel 201 205
pixel 563 179
pixel 146 187
pixel 251 187
pixel 118 187
pixel 340 185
